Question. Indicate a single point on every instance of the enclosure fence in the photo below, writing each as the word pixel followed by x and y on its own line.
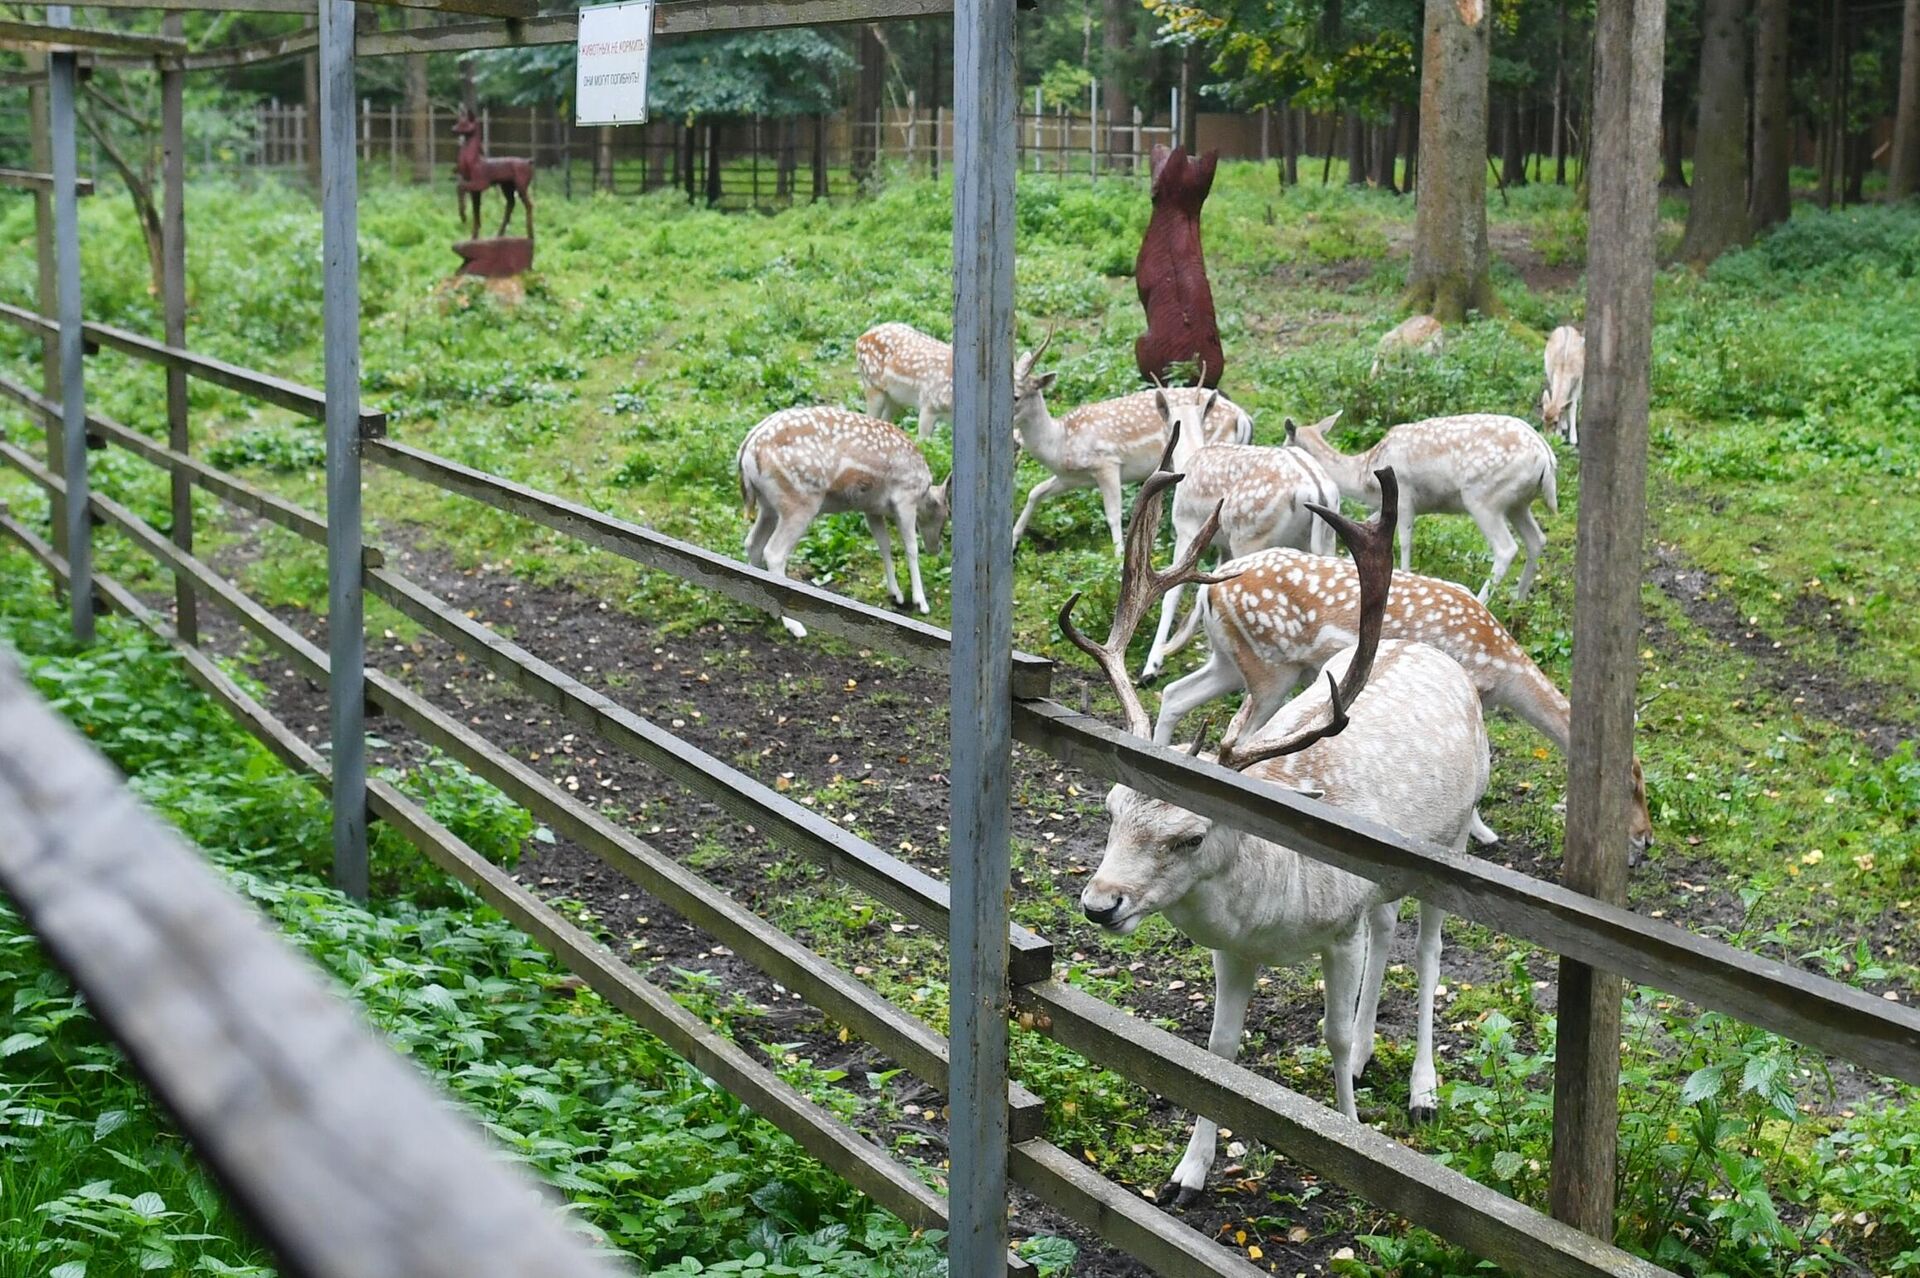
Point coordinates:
pixel 999 971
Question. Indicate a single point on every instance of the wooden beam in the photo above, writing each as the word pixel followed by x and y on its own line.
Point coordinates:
pixel 1376 1167
pixel 21 179
pixel 38 37
pixel 1845 1022
pixel 341 1156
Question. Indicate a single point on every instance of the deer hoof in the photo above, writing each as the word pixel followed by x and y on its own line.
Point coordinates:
pixel 794 628
pixel 1175 1194
pixel 1422 1115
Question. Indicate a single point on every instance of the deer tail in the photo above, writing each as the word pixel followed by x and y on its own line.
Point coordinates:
pixel 748 502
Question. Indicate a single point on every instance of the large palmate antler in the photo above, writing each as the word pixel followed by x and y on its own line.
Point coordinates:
pixel 1141 587
pixel 1371 545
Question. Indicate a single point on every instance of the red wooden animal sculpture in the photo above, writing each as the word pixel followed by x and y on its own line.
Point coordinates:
pixel 1171 273
pixel 478 174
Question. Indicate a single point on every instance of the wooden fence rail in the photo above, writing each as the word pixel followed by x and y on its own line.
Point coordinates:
pixel 1826 1014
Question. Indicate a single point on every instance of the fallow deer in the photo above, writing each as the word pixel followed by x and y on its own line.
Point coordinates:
pixel 1480 464
pixel 903 370
pixel 1108 444
pixel 1399 741
pixel 1264 497
pixel 1419 335
pixel 803 462
pixel 1566 361
pixel 1282 613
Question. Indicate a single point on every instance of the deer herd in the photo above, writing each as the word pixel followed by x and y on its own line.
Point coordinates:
pixel 1394 733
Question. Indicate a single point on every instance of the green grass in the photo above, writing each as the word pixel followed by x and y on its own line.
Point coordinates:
pixel 1785 399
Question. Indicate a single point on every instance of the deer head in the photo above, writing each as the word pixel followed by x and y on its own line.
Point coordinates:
pixel 1156 851
pixel 464 123
pixel 933 516
pixel 1030 388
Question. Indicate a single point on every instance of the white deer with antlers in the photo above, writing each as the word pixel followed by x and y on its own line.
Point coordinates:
pixel 1480 464
pixel 1108 444
pixel 1566 360
pixel 903 370
pixel 1264 497
pixel 1281 614
pixel 804 462
pixel 1399 740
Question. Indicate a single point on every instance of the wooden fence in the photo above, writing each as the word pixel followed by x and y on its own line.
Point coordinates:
pixel 1822 1013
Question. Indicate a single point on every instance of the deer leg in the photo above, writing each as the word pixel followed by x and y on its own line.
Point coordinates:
pixel 878 527
pixel 763 526
pixel 1169 607
pixel 1481 831
pixel 1534 540
pixel 1382 921
pixel 1424 1100
pixel 1573 422
pixel 793 526
pixel 1267 690
pixel 1189 692
pixel 1108 481
pixel 475 197
pixel 1232 990
pixel 1493 526
pixel 1340 969
pixel 507 216
pixel 907 516
pixel 1041 491
pixel 1403 526
pixel 878 405
pixel 526 202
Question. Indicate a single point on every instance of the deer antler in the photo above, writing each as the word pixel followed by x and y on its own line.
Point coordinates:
pixel 1371 545
pixel 1141 587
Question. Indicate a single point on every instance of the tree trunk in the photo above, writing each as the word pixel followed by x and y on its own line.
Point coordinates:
pixel 418 138
pixel 1771 202
pixel 1559 141
pixel 868 93
pixel 819 157
pixel 1718 220
pixel 1905 180
pixel 1513 144
pixel 1830 130
pixel 1386 153
pixel 1673 152
pixel 1356 150
pixel 1449 275
pixel 1290 144
pixel 1116 37
pixel 603 158
pixel 713 166
pixel 1859 160
pixel 1189 103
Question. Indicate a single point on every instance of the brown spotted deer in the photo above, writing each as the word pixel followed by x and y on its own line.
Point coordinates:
pixel 1480 464
pixel 1566 361
pixel 1264 497
pixel 903 370
pixel 804 462
pixel 1418 335
pixel 1282 613
pixel 1393 735
pixel 1108 444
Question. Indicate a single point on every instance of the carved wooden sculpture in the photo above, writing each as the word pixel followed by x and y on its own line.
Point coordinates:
pixel 478 174
pixel 1171 273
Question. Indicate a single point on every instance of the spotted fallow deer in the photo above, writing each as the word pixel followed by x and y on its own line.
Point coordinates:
pixel 1418 335
pixel 1480 464
pixel 804 462
pixel 903 370
pixel 1566 361
pixel 1283 613
pixel 1264 497
pixel 1393 736
pixel 1108 444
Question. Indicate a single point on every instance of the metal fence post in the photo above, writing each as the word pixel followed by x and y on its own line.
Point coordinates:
pixel 346 629
pixel 173 290
pixel 982 706
pixel 62 83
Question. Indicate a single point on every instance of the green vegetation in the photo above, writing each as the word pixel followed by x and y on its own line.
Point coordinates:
pixel 655 335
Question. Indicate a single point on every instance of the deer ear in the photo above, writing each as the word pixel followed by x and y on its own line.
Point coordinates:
pixel 1212 399
pixel 1166 409
pixel 1291 429
pixel 1326 423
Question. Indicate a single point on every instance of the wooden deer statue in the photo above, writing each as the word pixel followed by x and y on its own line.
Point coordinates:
pixel 1171 273
pixel 478 175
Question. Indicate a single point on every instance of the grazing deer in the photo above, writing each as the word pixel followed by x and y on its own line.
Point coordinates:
pixel 803 462
pixel 1399 740
pixel 1419 335
pixel 478 175
pixel 1480 464
pixel 1108 444
pixel 1281 613
pixel 1566 370
pixel 903 370
pixel 1264 497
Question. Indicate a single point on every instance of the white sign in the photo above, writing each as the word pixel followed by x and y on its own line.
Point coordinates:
pixel 610 84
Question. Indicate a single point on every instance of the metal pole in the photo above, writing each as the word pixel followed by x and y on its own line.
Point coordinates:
pixel 62 74
pixel 173 300
pixel 985 92
pixel 346 628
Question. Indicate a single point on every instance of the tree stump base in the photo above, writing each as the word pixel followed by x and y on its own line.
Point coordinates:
pixel 497 259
